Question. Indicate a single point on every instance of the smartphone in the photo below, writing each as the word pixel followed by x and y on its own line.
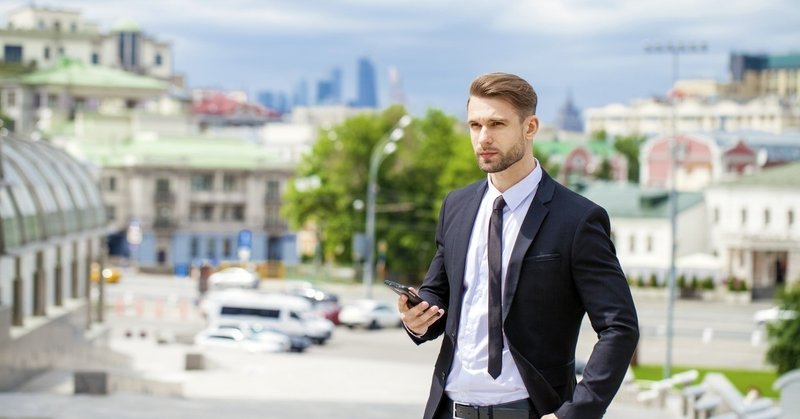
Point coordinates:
pixel 400 289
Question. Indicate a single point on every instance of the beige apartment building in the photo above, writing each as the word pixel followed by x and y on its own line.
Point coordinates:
pixel 39 36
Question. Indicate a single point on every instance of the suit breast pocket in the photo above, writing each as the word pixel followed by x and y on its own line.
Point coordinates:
pixel 542 261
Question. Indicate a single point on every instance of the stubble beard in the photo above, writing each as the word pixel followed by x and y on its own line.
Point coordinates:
pixel 514 155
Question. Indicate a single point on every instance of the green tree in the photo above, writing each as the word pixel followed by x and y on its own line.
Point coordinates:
pixel 604 172
pixel 433 157
pixel 548 164
pixel 630 146
pixel 600 135
pixel 784 335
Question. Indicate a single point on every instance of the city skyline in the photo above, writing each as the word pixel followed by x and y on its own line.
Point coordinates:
pixel 593 50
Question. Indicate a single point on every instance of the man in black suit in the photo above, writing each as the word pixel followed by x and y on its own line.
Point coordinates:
pixel 520 259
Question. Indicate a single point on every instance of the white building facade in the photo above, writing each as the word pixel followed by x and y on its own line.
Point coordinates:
pixel 754 227
pixel 655 116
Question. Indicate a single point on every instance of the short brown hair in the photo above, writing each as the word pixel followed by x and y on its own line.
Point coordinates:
pixel 510 87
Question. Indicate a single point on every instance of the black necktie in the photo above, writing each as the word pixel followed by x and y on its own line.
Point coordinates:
pixel 495 256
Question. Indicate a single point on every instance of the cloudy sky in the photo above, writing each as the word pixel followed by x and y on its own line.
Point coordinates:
pixel 592 48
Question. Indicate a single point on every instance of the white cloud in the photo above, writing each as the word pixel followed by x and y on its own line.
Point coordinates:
pixel 586 17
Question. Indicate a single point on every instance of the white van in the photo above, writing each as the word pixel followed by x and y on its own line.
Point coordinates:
pixel 286 313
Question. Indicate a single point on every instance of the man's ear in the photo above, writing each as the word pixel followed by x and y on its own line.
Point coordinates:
pixel 531 126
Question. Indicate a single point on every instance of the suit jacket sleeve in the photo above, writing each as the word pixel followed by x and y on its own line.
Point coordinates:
pixel 435 288
pixel 606 296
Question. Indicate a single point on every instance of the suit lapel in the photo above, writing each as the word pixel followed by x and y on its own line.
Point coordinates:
pixel 527 232
pixel 463 222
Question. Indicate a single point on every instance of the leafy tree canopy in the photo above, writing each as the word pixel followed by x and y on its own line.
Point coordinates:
pixel 433 157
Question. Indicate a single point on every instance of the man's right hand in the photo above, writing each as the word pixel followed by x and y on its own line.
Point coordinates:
pixel 417 319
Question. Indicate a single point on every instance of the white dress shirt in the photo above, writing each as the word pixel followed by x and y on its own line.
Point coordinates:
pixel 469 381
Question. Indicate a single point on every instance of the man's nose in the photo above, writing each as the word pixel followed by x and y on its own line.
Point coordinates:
pixel 484 137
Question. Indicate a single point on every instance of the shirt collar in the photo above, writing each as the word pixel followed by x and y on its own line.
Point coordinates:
pixel 516 194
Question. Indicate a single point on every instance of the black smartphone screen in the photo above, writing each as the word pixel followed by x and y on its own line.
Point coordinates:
pixel 400 289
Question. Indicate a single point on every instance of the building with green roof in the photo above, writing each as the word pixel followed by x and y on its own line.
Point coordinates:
pixel 48 98
pixel 583 160
pixel 641 229
pixel 192 196
pixel 765 75
pixel 755 228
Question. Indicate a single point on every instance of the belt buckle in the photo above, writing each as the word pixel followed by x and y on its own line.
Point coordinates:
pixel 455 410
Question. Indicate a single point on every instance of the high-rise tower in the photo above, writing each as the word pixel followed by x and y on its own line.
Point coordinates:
pixel 367 96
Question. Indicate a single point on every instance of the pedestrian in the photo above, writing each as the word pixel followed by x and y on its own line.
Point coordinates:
pixel 520 259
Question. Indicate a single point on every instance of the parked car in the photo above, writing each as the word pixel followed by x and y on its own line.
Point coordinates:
pixel 324 302
pixel 259 332
pixel 370 314
pixel 111 274
pixel 234 277
pixel 286 313
pixel 773 314
pixel 233 338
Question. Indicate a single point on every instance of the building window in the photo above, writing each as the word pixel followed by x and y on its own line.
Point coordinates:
pixel 194 247
pixel 744 216
pixel 716 215
pixel 202 182
pixel 238 212
pixel 227 249
pixel 73 27
pixel 790 217
pixel 158 60
pixel 110 183
pixel 52 101
pixel 162 185
pixel 211 249
pixel 649 244
pixel 61 51
pixel 273 191
pixel 46 53
pixel 208 212
pixel 11 99
pixel 57 26
pixel 229 183
pixel 95 58
pixel 766 217
pixel 632 244
pixel 111 212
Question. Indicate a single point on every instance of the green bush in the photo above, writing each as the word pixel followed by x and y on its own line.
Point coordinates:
pixel 707 283
pixel 653 281
pixel 736 285
pixel 640 282
pixel 695 283
pixel 682 281
pixel 784 335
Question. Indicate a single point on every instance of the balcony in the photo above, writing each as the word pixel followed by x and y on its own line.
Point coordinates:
pixel 276 226
pixel 165 224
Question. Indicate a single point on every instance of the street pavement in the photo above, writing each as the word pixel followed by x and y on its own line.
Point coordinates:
pixel 358 374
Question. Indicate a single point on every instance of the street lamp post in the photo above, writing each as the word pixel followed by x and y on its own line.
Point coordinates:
pixel 675 49
pixel 385 147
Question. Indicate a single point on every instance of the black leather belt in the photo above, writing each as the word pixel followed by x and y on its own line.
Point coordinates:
pixel 519 409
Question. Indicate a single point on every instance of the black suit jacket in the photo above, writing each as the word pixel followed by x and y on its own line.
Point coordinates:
pixel 562 266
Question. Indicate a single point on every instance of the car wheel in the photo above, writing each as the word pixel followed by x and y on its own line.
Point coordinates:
pixel 374 325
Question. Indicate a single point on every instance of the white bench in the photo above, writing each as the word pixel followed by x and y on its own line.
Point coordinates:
pixel 733 400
